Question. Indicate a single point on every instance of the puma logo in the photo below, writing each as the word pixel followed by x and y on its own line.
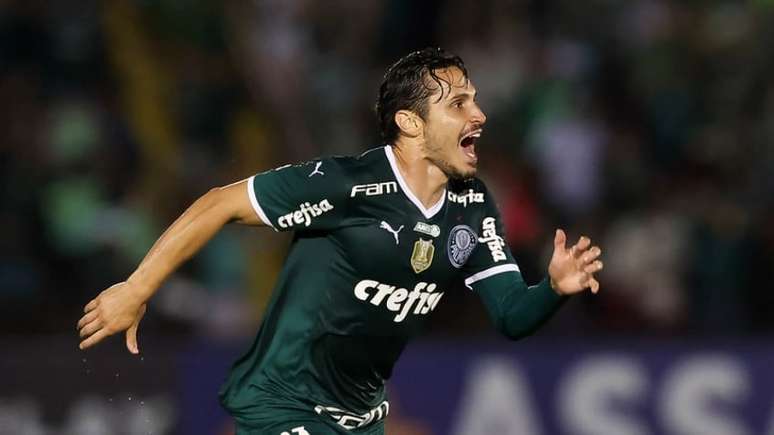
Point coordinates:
pixel 386 226
pixel 317 170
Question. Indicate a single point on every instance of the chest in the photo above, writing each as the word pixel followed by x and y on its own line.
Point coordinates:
pixel 392 242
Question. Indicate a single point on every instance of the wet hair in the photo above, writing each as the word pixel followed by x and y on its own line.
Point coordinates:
pixel 408 84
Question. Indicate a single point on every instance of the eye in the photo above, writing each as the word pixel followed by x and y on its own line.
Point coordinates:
pixel 457 104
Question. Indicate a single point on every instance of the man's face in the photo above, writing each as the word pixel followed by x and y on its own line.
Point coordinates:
pixel 452 125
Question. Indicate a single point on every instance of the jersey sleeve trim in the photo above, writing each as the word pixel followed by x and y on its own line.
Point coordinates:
pixel 254 201
pixel 484 274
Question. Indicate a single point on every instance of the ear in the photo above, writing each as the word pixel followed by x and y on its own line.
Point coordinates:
pixel 409 123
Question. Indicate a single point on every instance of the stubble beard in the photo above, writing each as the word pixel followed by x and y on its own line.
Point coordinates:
pixel 435 156
pixel 450 171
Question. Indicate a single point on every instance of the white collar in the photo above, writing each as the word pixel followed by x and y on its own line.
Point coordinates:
pixel 426 212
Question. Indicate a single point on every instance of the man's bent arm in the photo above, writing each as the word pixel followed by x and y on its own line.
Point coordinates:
pixel 122 306
pixel 517 310
pixel 191 231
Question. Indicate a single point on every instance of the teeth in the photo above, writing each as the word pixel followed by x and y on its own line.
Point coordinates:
pixel 476 133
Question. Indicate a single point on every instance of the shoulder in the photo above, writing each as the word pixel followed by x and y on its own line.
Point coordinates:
pixel 336 177
pixel 365 174
pixel 356 165
pixel 350 166
pixel 324 170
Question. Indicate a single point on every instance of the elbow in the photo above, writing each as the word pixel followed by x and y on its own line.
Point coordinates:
pixel 229 203
pixel 222 198
pixel 213 195
pixel 214 205
pixel 210 198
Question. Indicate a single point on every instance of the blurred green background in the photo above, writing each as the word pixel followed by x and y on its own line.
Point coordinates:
pixel 645 124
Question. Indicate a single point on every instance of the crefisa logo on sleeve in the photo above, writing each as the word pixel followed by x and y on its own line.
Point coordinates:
pixel 493 241
pixel 304 214
pixel 462 241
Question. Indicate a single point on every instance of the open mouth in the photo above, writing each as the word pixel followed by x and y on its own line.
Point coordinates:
pixel 468 145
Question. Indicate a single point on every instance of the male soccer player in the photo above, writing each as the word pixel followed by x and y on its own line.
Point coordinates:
pixel 379 238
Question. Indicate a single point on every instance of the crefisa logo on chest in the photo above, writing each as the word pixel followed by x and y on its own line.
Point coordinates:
pixel 462 241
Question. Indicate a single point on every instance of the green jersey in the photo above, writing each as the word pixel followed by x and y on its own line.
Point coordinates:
pixel 368 264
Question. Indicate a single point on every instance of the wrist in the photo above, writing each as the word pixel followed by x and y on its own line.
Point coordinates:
pixel 554 286
pixel 139 288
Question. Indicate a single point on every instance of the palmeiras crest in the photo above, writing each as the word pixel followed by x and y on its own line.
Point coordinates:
pixel 422 257
pixel 462 241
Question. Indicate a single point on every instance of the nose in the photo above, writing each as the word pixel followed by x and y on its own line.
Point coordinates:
pixel 478 116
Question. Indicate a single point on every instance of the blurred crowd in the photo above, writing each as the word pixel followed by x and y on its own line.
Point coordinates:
pixel 643 124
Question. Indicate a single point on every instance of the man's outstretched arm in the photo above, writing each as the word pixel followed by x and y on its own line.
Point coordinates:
pixel 121 306
pixel 518 310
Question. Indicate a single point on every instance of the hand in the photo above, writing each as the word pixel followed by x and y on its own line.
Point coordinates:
pixel 114 310
pixel 572 270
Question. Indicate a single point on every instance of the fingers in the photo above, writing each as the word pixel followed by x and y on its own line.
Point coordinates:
pixel 590 281
pixel 91 315
pixel 90 328
pixel 579 248
pixel 131 339
pixel 90 306
pixel 574 269
pixel 580 251
pixel 93 339
pixel 131 333
pixel 589 256
pixel 594 285
pixel 584 279
pixel 593 267
pixel 559 239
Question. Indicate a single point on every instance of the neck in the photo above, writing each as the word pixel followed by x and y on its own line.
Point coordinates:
pixel 426 181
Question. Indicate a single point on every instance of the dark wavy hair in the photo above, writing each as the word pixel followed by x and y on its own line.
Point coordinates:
pixel 407 85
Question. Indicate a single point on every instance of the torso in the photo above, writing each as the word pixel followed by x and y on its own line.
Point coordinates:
pixel 351 296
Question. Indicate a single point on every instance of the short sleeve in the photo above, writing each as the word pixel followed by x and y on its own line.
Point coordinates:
pixel 491 256
pixel 303 197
